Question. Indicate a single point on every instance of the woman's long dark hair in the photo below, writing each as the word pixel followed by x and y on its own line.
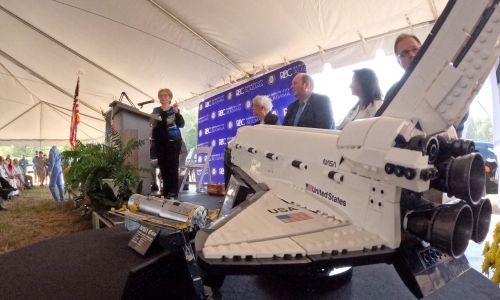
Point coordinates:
pixel 368 81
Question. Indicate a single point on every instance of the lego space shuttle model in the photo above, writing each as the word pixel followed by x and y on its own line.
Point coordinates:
pixel 309 199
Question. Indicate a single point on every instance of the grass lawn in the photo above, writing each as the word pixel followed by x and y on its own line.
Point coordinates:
pixel 34 216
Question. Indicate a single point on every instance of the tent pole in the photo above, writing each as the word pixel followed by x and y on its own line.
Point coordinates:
pixel 20 115
pixel 38 30
pixel 59 110
pixel 26 68
pixel 432 4
pixel 63 114
pixel 204 40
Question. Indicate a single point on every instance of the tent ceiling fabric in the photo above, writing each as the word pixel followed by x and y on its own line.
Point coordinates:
pixel 193 47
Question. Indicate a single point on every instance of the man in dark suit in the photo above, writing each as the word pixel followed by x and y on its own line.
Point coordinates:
pixel 310 109
pixel 406 48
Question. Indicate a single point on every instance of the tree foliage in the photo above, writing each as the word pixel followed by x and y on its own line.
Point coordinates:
pixel 479 129
pixel 190 130
pixel 27 150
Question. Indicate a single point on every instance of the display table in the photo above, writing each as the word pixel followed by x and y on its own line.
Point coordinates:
pixel 96 264
pixel 93 264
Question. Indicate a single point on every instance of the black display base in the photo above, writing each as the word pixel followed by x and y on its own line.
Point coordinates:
pixel 379 281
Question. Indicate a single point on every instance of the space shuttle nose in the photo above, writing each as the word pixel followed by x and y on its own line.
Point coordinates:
pixel 462 177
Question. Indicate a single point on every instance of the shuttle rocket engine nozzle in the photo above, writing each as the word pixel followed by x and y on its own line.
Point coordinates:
pixel 447 227
pixel 462 177
pixel 481 213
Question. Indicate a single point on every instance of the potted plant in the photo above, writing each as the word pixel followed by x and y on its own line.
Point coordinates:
pixel 90 163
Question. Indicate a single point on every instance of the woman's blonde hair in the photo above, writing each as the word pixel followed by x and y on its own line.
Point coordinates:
pixel 168 91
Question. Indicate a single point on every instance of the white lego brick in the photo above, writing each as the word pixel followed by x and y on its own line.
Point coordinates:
pixel 406 158
pixel 350 237
pixel 229 251
pixel 276 247
pixel 439 88
pixel 355 133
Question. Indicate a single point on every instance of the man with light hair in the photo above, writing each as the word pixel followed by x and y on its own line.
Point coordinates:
pixel 262 109
pixel 309 109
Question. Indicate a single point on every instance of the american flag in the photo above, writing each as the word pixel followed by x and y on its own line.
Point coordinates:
pixel 75 116
pixel 293 217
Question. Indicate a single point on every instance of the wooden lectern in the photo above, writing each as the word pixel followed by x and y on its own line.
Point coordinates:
pixel 131 123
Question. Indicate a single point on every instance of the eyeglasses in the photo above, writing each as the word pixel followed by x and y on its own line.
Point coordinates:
pixel 407 52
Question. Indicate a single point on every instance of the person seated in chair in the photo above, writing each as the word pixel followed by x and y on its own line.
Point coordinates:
pixel 27 180
pixel 7 181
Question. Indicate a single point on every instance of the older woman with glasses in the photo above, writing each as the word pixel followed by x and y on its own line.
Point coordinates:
pixel 262 109
pixel 167 142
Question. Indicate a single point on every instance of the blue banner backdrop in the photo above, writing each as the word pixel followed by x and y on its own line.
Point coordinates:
pixel 220 116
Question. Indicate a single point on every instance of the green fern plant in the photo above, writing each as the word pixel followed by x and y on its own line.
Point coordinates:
pixel 90 163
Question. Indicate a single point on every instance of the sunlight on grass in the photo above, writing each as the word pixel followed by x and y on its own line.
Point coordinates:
pixel 33 217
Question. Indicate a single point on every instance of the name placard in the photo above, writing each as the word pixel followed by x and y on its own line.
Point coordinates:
pixel 143 238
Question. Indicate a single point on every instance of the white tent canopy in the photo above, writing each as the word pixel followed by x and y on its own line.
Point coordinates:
pixel 194 47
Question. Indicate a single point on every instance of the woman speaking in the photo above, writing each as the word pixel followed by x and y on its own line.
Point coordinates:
pixel 167 142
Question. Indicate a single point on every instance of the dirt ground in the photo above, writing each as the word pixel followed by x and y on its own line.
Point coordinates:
pixel 34 216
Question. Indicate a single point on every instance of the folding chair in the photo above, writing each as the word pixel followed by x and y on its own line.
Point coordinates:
pixel 197 159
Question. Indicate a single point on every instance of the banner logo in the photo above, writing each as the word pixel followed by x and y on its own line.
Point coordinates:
pixel 230 125
pixel 271 79
pixel 200 133
pixel 286 73
pixel 229 110
pixel 212 129
pixel 213 115
pixel 229 95
pixel 240 122
pixel 248 104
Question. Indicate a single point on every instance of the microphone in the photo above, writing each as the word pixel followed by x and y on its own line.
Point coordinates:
pixel 146 102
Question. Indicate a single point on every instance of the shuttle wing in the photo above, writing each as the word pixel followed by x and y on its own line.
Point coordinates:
pixel 449 69
pixel 273 227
